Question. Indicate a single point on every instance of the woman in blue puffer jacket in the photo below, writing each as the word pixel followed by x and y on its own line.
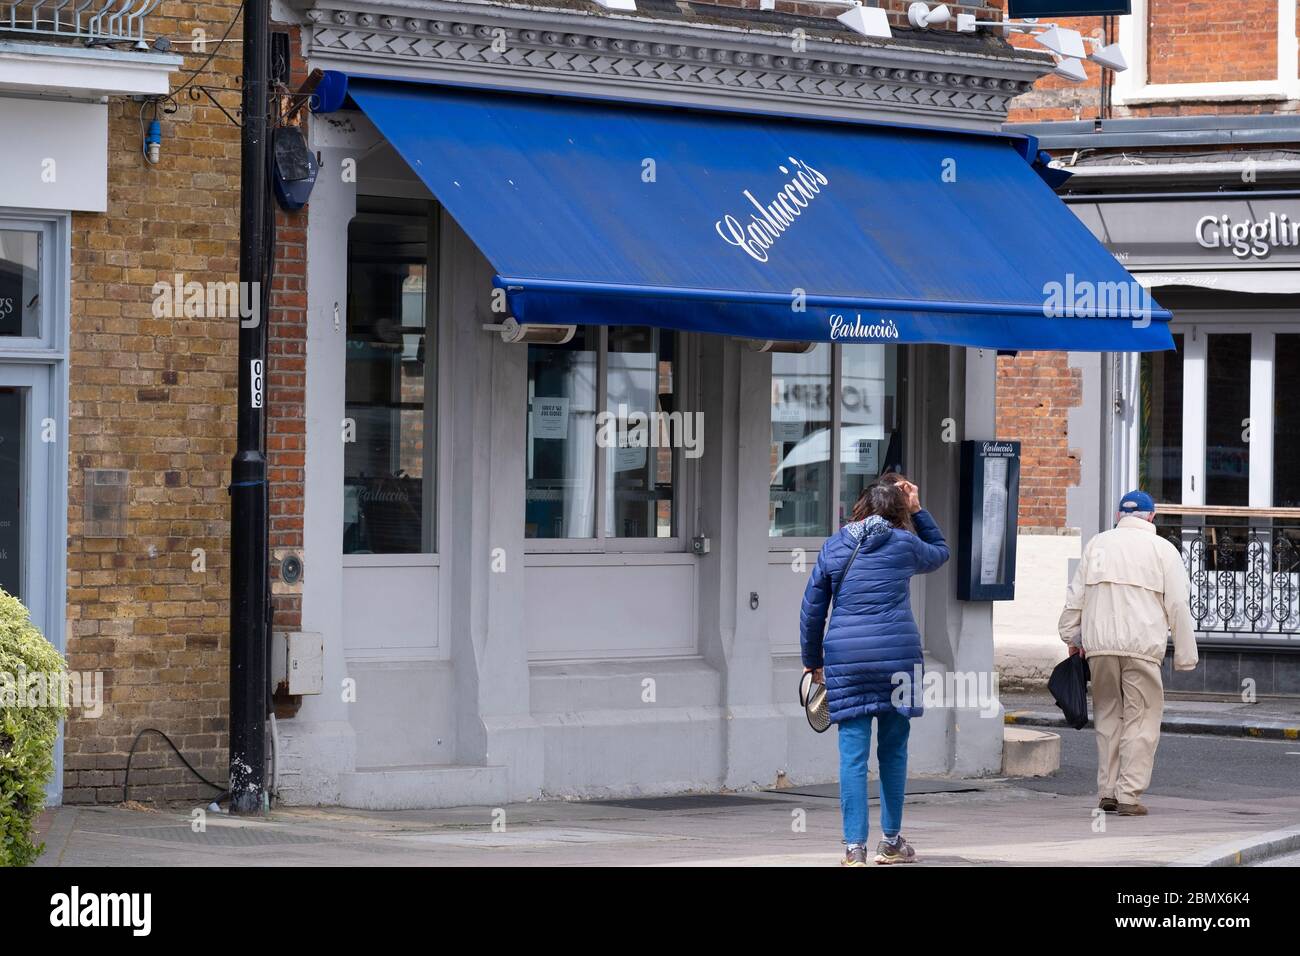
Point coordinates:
pixel 872 638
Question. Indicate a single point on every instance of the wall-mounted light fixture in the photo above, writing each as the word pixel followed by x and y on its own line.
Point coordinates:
pixel 922 17
pixel 868 21
pixel 1069 48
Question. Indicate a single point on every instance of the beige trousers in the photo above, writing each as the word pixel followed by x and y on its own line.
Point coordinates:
pixel 1128 700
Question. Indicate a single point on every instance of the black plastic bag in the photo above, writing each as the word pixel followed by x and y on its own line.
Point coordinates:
pixel 1069 685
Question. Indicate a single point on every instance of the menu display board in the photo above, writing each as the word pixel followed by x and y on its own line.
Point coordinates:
pixel 990 493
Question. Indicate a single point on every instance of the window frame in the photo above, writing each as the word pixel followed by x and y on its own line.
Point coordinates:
pixel 813 543
pixel 430 499
pixel 1196 327
pixel 47 356
pixel 46 344
pixel 684 478
pixel 1132 87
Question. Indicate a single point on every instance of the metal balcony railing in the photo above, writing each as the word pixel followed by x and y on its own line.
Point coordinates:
pixel 90 21
pixel 1244 579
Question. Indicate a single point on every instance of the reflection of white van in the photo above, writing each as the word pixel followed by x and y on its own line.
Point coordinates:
pixel 860 449
pixel 803 475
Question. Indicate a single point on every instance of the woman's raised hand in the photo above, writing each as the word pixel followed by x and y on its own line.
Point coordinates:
pixel 913 496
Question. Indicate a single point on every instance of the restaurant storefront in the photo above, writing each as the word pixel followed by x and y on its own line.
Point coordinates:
pixel 1204 211
pixel 595 363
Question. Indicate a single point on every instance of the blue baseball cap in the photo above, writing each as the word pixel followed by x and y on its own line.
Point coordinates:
pixel 1136 501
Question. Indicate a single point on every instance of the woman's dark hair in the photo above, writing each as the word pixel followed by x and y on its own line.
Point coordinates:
pixel 886 498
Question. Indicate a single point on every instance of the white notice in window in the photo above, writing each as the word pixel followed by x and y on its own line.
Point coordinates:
pixel 629 458
pixel 550 418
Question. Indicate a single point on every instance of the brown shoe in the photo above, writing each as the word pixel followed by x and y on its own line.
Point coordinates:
pixel 855 855
pixel 1131 810
pixel 1108 804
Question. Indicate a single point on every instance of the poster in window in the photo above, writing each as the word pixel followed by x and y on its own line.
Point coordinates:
pixel 550 418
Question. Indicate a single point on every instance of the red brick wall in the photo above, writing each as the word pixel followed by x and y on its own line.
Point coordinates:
pixel 286 446
pixel 1036 391
pixel 1202 42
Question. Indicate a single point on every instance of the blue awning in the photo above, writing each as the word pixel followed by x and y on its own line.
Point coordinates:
pixel 602 212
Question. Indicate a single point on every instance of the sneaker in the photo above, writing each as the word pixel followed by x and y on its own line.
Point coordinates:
pixel 854 855
pixel 900 852
pixel 1132 810
pixel 1108 804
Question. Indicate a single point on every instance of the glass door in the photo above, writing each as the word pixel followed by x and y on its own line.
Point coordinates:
pixel 27 441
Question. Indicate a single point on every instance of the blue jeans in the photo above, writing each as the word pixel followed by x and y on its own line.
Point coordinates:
pixel 891 754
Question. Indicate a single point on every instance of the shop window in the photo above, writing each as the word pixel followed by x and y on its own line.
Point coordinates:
pixel 1286 422
pixel 604 432
pixel 836 426
pixel 20 282
pixel 639 393
pixel 388 456
pixel 1160 432
pixel 1227 414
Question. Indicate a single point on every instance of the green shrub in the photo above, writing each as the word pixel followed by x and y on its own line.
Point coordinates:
pixel 32 699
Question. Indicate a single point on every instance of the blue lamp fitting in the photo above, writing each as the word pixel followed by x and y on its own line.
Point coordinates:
pixel 153 141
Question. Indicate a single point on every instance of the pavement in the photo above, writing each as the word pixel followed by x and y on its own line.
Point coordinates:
pixel 951 822
pixel 1226 792
pixel 1269 718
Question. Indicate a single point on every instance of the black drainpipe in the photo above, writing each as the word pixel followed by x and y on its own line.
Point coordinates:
pixel 248 492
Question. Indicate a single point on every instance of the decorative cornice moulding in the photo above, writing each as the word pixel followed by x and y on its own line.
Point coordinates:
pixel 664 60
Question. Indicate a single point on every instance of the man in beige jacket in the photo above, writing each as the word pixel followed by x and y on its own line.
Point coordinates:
pixel 1128 594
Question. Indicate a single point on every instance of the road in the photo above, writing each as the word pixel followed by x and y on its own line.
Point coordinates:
pixel 1201 768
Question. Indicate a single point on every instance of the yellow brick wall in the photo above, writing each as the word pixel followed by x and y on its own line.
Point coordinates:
pixel 155 396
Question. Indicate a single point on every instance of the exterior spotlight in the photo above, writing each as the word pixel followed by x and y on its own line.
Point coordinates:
pixel 869 21
pixel 1109 56
pixel 1067 43
pixel 626 6
pixel 1071 69
pixel 922 17
pixel 767 4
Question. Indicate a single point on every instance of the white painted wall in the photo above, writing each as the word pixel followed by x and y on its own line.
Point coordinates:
pixel 1027 643
pixel 55 155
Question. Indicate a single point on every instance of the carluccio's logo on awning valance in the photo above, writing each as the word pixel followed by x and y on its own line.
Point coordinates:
pixel 770 222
